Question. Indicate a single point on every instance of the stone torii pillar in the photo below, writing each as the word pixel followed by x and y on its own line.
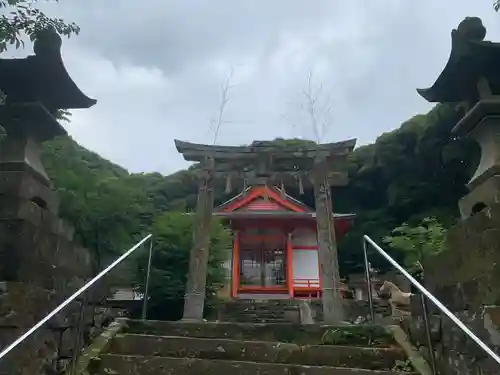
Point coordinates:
pixel 198 263
pixel 333 309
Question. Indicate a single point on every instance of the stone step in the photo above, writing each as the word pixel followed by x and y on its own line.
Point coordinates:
pixel 139 365
pixel 356 335
pixel 257 313
pixel 243 307
pixel 260 309
pixel 257 351
pixel 260 312
pixel 256 319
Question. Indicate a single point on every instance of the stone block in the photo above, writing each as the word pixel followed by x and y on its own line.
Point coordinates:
pixel 26 246
pixel 484 194
pixel 356 310
pixel 484 323
pixel 471 261
pixel 415 328
pixel 23 305
pixel 253 311
pixel 26 185
pixel 33 357
pixel 454 363
pixel 292 316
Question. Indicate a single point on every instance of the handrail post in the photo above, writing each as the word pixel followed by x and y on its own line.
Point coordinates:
pixel 368 282
pixel 146 286
pixel 428 333
pixel 78 334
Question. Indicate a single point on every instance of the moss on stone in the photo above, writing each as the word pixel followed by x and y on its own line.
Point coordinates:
pixel 88 362
pixel 415 359
pixel 358 335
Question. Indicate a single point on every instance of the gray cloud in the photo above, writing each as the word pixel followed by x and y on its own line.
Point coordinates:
pixel 156 67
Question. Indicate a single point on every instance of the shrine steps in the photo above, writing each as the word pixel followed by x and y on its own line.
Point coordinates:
pixel 255 351
pixel 175 348
pixel 260 311
pixel 138 365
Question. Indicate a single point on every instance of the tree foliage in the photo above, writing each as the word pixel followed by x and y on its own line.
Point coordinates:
pixel 411 173
pixel 173 236
pixel 417 242
pixel 106 210
pixel 21 18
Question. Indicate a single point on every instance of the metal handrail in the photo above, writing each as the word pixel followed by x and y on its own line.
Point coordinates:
pixel 80 291
pixel 427 294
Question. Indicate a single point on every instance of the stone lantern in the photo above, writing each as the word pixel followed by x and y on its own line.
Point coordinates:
pixel 471 78
pixel 40 265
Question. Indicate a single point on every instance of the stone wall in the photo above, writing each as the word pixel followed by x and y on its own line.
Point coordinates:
pixel 22 306
pixel 40 266
pixel 472 263
pixel 455 352
pixel 466 279
pixel 32 239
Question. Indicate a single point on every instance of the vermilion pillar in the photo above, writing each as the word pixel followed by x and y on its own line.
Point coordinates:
pixel 289 265
pixel 235 279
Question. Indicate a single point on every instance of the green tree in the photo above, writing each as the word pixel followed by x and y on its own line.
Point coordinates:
pixel 417 242
pixel 173 235
pixel 22 17
pixel 98 198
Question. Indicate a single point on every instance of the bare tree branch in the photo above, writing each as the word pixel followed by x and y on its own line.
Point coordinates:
pixel 316 107
pixel 215 125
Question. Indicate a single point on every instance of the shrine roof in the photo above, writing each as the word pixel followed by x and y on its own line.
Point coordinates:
pixel 280 214
pixel 265 202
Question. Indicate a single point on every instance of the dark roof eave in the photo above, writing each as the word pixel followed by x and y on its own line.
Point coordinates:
pixel 466 57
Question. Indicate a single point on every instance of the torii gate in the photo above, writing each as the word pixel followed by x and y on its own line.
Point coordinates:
pixel 268 163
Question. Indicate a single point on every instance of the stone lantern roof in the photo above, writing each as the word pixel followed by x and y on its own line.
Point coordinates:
pixel 471 60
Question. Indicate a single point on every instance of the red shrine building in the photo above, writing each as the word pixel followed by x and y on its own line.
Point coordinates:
pixel 275 247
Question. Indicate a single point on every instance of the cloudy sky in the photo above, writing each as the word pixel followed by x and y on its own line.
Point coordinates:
pixel 156 68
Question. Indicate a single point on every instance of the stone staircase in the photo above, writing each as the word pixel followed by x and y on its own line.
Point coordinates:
pixel 175 348
pixel 259 311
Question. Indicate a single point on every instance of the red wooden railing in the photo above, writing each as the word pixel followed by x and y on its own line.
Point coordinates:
pixel 303 285
pixel 306 283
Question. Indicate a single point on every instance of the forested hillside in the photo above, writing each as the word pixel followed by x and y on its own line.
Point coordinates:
pixel 407 174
